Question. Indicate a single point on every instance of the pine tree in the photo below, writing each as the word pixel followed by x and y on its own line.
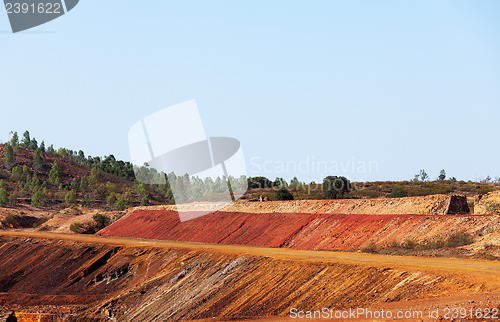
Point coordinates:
pixel 38 159
pixel 3 197
pixel 55 174
pixel 26 142
pixel 14 141
pixel 70 198
pixel 8 156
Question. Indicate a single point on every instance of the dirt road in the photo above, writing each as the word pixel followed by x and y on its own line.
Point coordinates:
pixel 480 269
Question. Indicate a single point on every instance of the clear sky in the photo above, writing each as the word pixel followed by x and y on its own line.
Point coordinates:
pixel 404 85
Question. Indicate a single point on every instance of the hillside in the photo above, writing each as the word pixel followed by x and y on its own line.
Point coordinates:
pixel 90 278
pixel 37 184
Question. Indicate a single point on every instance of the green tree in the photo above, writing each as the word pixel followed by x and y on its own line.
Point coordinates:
pixel 280 182
pixel 33 144
pixel 70 198
pixel 94 177
pixel 442 175
pixel 8 156
pixel 16 174
pixel 26 142
pixel 333 186
pixel 4 198
pixel 111 199
pixel 37 199
pixel 259 182
pixel 87 200
pixel 14 141
pixel 122 202
pixel 13 199
pixel 423 175
pixel 283 194
pixel 74 184
pixel 84 184
pixel 38 159
pixel 55 174
pixel 295 182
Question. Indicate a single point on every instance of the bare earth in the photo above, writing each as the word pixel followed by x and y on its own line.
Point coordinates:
pixel 473 283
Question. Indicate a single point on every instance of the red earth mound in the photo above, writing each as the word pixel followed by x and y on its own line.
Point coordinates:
pixel 297 231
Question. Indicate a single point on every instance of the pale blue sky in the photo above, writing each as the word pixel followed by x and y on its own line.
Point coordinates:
pixel 407 84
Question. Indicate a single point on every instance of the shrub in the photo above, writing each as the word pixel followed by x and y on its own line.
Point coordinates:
pixel 493 207
pixel 100 222
pixel 283 194
pixel 458 239
pixel 74 227
pixel 11 219
pixel 371 248
pixel 409 244
pixel 398 193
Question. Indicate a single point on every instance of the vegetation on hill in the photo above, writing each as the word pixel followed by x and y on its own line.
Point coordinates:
pixel 32 174
pixel 391 189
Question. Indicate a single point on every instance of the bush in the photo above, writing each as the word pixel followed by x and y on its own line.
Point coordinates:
pixel 11 219
pixel 74 227
pixel 371 248
pixel 409 244
pixel 283 194
pixel 398 193
pixel 458 239
pixel 493 207
pixel 100 222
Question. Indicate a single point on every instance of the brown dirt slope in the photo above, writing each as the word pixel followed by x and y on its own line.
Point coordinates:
pixel 299 231
pixel 87 277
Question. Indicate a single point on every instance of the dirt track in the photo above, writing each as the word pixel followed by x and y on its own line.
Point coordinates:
pixel 486 269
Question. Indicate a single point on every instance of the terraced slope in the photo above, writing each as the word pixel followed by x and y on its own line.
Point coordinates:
pixel 95 278
pixel 298 231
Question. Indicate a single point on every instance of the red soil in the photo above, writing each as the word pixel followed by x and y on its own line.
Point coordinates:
pixel 297 231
